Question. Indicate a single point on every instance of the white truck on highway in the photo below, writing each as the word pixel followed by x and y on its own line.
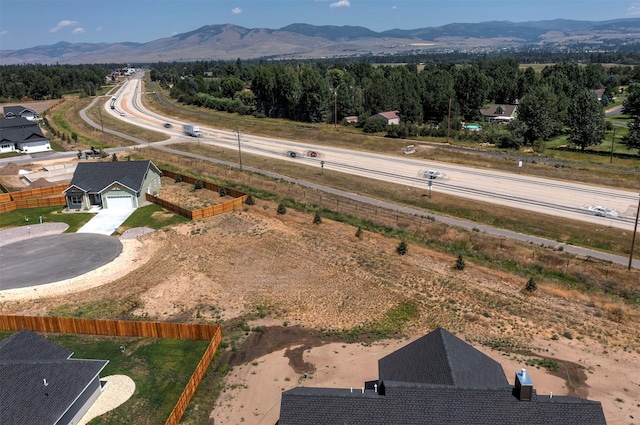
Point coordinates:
pixel 192 130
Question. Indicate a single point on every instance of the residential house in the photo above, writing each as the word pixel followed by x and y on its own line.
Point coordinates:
pixel 40 384
pixel 18 134
pixel 499 113
pixel 112 184
pixel 20 111
pixel 598 93
pixel 437 379
pixel 389 117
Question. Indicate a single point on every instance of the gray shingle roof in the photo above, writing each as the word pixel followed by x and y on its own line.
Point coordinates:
pixel 16 110
pixel 451 361
pixel 26 360
pixel 94 177
pixel 20 130
pixel 452 396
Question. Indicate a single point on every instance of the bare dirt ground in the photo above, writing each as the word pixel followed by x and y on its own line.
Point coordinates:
pixel 322 277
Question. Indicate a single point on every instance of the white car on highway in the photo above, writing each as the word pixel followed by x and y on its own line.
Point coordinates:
pixel 603 212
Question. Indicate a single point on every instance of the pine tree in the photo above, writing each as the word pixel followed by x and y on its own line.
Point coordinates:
pixel 402 248
pixel 281 209
pixel 531 285
pixel 317 219
pixel 460 264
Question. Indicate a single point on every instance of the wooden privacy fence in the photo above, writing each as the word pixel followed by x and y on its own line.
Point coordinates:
pixel 189 390
pixel 135 329
pixel 33 198
pixel 109 327
pixel 239 198
pixel 38 192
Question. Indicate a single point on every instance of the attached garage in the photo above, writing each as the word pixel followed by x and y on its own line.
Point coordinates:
pixel 120 202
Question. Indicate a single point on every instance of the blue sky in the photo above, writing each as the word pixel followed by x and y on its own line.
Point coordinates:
pixel 43 22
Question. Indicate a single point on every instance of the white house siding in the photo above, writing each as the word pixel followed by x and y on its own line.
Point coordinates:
pixel 7 147
pixel 33 147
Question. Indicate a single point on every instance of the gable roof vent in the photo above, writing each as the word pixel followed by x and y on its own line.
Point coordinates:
pixel 524 387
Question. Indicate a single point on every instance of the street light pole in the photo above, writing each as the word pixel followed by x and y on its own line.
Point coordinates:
pixel 239 132
pixel 633 238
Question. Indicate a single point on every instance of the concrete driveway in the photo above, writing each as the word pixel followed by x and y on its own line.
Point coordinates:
pixel 106 221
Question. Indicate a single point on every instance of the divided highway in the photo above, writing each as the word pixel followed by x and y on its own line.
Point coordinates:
pixel 554 197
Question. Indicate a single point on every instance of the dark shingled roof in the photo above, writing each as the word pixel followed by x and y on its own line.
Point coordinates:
pixel 26 360
pixel 16 110
pixel 452 396
pixel 451 361
pixel 94 177
pixel 20 130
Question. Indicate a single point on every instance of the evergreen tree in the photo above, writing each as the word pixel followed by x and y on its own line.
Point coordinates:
pixel 402 248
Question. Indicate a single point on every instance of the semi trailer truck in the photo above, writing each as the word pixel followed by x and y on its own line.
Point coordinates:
pixel 192 130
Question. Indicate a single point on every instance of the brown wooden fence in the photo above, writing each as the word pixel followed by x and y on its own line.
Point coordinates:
pixel 38 192
pixel 109 327
pixel 189 390
pixel 239 198
pixel 135 329
pixel 5 197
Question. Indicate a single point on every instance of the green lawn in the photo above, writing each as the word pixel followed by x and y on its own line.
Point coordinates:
pixel 160 368
pixel 29 216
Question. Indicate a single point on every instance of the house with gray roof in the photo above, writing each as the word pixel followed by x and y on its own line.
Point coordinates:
pixel 40 384
pixel 19 111
pixel 112 184
pixel 499 113
pixel 21 135
pixel 437 379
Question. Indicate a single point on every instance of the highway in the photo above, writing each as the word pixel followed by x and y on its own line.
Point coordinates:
pixel 554 197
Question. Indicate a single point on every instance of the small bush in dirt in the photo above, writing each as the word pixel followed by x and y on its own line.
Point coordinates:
pixel 402 248
pixel 114 158
pixel 531 285
pixel 178 179
pixel 359 233
pixel 198 185
pixel 249 200
pixel 317 219
pixel 460 264
pixel 223 192
pixel 567 335
pixel 616 315
pixel 281 209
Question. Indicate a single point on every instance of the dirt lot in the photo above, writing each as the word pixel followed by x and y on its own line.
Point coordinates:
pixel 321 276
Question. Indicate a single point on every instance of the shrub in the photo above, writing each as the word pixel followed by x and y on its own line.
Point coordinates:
pixel 531 285
pixel 249 200
pixel 402 248
pixel 460 264
pixel 178 178
pixel 198 185
pixel 281 209
pixel 317 219
pixel 567 335
pixel 114 158
pixel 223 192
pixel 359 233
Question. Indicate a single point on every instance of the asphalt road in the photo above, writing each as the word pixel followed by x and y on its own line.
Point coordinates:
pixel 54 258
pixel 518 190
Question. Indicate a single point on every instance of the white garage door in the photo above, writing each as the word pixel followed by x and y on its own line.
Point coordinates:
pixel 120 202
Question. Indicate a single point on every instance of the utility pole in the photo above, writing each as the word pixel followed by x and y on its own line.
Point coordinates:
pixel 239 132
pixel 449 121
pixel 633 238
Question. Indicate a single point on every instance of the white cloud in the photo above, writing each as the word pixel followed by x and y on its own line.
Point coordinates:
pixel 341 3
pixel 99 29
pixel 4 32
pixel 78 31
pixel 634 10
pixel 394 7
pixel 236 11
pixel 62 24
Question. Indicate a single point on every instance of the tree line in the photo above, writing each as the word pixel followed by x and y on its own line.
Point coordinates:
pixel 558 99
pixel 43 82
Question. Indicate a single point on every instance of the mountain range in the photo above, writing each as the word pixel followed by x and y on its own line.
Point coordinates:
pixel 303 41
